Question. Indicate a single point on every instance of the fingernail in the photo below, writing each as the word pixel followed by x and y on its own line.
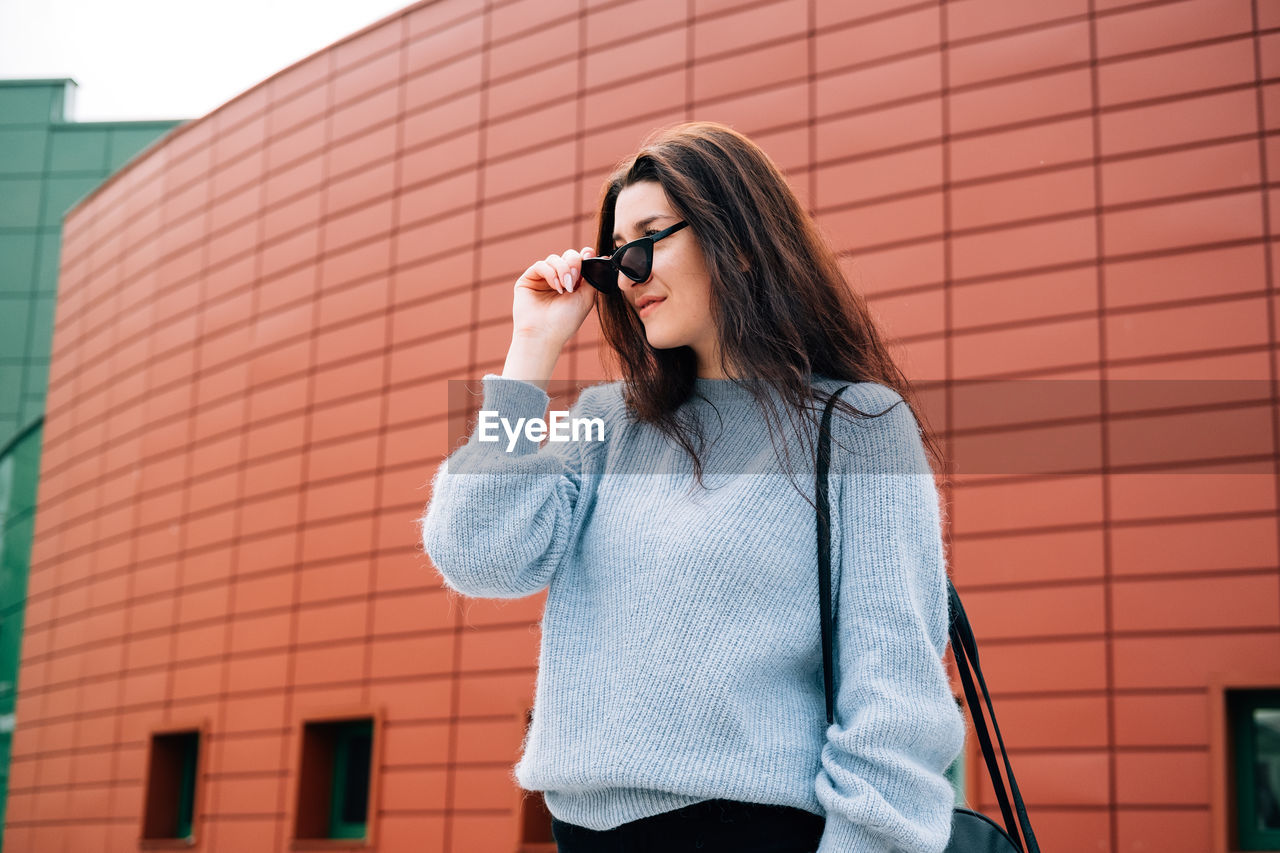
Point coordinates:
pixel 568 281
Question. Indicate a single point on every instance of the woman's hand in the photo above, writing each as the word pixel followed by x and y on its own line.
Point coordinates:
pixel 551 298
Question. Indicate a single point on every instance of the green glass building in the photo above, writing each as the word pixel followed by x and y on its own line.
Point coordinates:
pixel 47 164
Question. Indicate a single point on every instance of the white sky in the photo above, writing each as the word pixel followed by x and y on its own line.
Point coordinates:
pixel 169 59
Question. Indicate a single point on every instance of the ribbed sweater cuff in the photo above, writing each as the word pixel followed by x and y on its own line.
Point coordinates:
pixel 513 399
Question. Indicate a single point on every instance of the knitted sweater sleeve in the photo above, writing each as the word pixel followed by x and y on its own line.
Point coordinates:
pixel 897 726
pixel 502 516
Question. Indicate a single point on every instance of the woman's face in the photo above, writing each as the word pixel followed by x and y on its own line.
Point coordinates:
pixel 679 276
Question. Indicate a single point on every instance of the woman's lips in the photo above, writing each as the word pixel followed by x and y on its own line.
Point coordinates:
pixel 645 311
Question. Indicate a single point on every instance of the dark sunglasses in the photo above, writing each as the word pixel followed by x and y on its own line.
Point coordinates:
pixel 634 260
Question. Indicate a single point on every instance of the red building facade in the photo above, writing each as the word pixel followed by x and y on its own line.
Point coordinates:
pixel 257 322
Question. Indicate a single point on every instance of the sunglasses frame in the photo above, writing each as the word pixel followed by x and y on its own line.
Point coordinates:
pixel 644 243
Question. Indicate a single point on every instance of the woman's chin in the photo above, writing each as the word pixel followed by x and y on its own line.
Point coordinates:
pixel 657 340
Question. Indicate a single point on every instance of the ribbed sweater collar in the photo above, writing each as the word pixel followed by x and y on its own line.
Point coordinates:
pixel 720 391
pixel 727 391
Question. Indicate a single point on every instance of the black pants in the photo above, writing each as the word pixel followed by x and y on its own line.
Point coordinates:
pixel 712 826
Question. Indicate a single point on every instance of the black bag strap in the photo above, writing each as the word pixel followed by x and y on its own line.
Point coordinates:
pixel 963 643
pixel 966 654
pixel 824 555
pixel 984 737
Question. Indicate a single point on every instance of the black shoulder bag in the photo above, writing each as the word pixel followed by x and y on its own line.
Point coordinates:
pixel 971 831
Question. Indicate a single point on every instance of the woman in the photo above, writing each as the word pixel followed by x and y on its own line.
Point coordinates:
pixel 679 702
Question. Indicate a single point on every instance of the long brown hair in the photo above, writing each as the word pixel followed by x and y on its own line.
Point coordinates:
pixel 779 300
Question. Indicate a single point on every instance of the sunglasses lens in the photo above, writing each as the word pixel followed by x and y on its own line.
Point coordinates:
pixel 599 274
pixel 635 261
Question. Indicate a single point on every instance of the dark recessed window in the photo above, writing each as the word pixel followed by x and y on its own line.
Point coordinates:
pixel 333 779
pixel 1254 719
pixel 169 809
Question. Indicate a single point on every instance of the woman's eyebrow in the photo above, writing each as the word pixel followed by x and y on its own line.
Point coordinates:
pixel 642 223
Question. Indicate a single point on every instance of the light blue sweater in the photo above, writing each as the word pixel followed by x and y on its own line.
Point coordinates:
pixel 681 642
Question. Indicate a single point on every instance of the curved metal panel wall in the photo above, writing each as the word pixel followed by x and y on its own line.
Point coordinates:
pixel 257 321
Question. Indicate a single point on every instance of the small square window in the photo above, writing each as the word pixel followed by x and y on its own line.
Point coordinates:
pixel 334 779
pixel 1254 719
pixel 172 773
